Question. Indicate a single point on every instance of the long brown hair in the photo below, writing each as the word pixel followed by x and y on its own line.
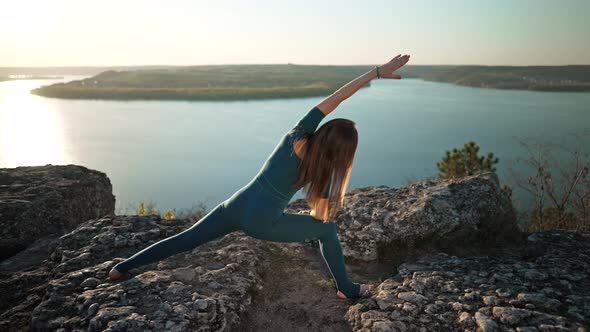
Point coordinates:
pixel 328 157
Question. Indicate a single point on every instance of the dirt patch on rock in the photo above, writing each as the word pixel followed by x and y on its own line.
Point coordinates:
pixel 297 292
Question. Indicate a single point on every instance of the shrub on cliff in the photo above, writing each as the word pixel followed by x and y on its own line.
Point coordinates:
pixel 465 162
pixel 560 193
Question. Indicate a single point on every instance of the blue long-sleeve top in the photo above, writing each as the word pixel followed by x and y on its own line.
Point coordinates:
pixel 279 171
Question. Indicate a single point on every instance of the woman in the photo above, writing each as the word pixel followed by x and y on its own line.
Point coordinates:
pixel 320 161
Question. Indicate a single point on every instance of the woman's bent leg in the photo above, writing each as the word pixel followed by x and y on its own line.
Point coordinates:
pixel 213 225
pixel 293 227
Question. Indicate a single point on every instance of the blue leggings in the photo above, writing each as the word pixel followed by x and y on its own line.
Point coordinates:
pixel 258 212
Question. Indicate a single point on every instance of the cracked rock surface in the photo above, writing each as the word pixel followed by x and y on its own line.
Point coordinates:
pixel 542 288
pixel 206 289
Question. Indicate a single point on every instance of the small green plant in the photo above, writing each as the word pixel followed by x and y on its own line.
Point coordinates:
pixel 194 213
pixel 141 209
pixel 465 162
pixel 168 215
pixel 251 290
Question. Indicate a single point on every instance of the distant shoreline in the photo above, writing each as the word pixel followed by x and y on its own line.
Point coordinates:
pixel 250 82
pixel 28 77
pixel 231 82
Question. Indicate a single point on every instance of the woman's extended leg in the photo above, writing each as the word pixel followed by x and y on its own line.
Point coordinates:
pixel 293 227
pixel 213 225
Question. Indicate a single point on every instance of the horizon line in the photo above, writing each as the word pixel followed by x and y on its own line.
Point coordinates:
pixel 288 63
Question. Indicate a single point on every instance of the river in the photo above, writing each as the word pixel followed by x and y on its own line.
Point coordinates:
pixel 178 153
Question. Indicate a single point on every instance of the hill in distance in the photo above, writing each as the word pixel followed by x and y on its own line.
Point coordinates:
pixel 243 82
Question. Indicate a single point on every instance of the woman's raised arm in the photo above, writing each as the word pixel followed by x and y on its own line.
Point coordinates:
pixel 385 71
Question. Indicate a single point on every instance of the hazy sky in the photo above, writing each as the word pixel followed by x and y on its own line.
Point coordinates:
pixel 175 32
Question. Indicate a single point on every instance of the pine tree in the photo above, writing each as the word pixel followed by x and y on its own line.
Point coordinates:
pixel 465 162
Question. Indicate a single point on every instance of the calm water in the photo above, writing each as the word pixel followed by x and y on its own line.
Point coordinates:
pixel 178 153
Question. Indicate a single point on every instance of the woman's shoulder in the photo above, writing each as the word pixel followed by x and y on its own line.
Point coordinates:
pixel 299 147
pixel 296 139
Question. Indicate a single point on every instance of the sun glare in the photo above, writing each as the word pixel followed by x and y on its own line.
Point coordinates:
pixel 26 16
pixel 30 129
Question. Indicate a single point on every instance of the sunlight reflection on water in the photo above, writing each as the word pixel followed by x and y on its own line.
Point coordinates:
pixel 30 128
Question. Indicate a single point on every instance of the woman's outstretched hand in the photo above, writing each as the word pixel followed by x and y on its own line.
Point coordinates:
pixel 386 70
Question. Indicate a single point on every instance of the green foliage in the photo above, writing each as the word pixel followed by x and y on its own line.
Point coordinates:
pixel 558 204
pixel 225 82
pixel 540 78
pixel 465 162
pixel 243 82
pixel 193 213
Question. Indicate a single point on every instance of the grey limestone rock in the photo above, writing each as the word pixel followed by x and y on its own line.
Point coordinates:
pixel 41 201
pixel 180 296
pixel 507 301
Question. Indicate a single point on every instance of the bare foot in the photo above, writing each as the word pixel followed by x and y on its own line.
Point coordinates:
pixel 364 291
pixel 114 274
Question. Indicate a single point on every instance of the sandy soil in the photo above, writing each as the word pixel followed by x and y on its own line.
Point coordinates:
pixel 297 292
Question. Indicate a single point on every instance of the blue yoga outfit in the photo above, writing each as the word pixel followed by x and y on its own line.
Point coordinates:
pixel 258 210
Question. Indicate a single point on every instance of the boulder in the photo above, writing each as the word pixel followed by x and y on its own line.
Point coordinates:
pixel 437 213
pixel 48 200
